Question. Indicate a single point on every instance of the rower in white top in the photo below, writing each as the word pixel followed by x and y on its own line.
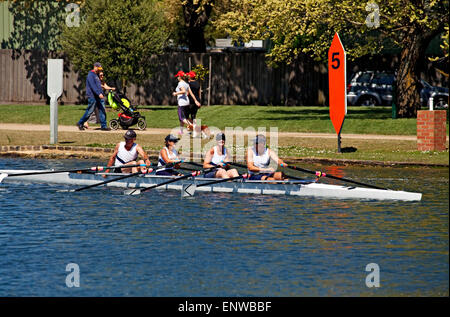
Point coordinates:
pixel 126 153
pixel 217 157
pixel 168 157
pixel 258 160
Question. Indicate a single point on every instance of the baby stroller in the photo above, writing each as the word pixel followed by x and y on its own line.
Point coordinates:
pixel 129 116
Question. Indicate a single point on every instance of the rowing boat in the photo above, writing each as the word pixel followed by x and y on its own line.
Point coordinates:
pixel 291 187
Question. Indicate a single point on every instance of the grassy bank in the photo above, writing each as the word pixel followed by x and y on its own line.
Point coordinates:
pixel 354 149
pixel 359 120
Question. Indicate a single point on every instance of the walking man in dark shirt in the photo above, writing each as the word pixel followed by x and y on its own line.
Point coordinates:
pixel 194 104
pixel 94 92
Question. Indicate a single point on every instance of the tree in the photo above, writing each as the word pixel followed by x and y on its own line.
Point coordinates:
pixel 122 35
pixel 196 14
pixel 35 24
pixel 304 26
pixel 189 20
pixel 444 47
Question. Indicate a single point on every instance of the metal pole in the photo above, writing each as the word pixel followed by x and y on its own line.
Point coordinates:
pixel 339 142
pixel 430 102
pixel 190 63
pixel 53 119
pixel 55 70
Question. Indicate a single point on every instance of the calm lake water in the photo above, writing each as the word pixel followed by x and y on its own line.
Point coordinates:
pixel 158 244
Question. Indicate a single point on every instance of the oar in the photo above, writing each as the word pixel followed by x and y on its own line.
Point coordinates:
pixel 321 174
pixel 94 169
pixel 105 182
pixel 187 169
pixel 227 163
pixel 137 191
pixel 194 163
pixel 223 180
pixel 236 164
pixel 172 165
pixel 245 166
pixel 189 190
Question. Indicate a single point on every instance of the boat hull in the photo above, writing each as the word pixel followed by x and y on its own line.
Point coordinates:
pixel 291 188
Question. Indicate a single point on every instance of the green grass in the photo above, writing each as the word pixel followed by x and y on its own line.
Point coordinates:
pixel 391 150
pixel 359 120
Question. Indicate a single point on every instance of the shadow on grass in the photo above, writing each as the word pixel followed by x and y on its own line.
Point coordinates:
pixel 349 149
pixel 156 108
pixel 295 118
pixel 323 113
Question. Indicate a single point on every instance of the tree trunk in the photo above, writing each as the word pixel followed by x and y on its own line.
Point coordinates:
pixel 411 58
pixel 196 40
pixel 196 19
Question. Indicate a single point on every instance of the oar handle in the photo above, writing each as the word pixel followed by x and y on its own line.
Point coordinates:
pixel 282 165
pixel 194 163
pixel 93 168
pixel 236 164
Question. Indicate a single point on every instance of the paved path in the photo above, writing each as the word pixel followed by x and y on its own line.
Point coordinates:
pixel 65 128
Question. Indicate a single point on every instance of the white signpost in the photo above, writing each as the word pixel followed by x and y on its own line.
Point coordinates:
pixel 54 91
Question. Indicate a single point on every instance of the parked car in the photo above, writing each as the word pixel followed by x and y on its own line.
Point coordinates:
pixel 370 88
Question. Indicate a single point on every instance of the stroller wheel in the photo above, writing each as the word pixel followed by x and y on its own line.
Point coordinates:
pixel 142 124
pixel 114 124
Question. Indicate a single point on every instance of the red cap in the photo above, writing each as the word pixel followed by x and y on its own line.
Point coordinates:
pixel 180 74
pixel 191 74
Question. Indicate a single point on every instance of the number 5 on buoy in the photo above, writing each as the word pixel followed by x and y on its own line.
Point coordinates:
pixel 337 81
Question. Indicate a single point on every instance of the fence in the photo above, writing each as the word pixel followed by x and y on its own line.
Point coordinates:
pixel 236 78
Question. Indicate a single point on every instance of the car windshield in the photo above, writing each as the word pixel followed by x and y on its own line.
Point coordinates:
pixel 425 84
pixel 364 78
pixel 383 79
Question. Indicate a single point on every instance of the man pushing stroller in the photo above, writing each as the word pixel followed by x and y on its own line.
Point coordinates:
pixel 94 92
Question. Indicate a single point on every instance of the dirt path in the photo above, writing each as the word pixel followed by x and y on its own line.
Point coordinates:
pixel 65 128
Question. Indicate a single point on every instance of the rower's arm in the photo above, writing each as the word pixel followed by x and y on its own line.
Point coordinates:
pixel 113 157
pixel 227 158
pixel 275 157
pixel 165 157
pixel 144 155
pixel 208 157
pixel 249 159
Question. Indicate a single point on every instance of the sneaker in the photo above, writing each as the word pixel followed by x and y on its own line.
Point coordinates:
pixel 105 129
pixel 80 126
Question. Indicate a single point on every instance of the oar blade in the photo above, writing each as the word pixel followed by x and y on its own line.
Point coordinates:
pixel 66 191
pixel 132 191
pixel 3 176
pixel 188 190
